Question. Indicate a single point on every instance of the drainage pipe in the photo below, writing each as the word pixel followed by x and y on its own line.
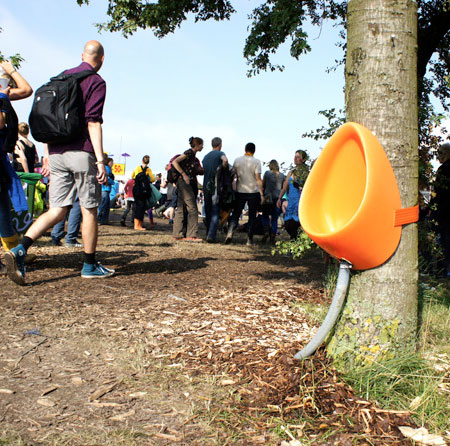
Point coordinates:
pixel 333 312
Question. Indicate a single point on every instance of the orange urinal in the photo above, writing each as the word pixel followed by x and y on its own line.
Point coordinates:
pixel 350 204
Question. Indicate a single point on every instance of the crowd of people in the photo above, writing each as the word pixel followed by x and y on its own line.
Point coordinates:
pixel 83 188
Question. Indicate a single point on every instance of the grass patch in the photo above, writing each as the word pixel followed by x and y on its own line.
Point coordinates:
pixel 406 383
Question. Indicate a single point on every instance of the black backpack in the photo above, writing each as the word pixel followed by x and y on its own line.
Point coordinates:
pixel 12 130
pixel 142 188
pixel 57 113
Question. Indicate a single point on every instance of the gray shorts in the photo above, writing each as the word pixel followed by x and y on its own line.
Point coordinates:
pixel 74 173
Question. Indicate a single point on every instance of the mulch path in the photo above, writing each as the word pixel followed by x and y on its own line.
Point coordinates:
pixel 82 356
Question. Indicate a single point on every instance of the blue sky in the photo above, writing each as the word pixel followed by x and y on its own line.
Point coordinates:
pixel 191 83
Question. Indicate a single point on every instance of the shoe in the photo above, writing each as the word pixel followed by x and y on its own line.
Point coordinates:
pixel 265 237
pixel 97 271
pixel 15 264
pixel 249 242
pixel 3 271
pixel 56 242
pixel 193 239
pixel 138 225
pixel 122 223
pixel 178 238
pixel 228 239
pixel 210 240
pixel 75 244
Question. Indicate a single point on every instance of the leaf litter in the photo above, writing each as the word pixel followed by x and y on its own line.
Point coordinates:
pixel 200 311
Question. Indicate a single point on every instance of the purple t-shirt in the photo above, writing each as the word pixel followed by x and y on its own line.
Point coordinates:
pixel 94 92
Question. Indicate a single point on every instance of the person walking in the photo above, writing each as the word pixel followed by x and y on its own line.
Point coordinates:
pixel 294 183
pixel 249 189
pixel 140 201
pixel 273 181
pixel 13 87
pixel 76 168
pixel 129 201
pixel 105 205
pixel 188 166
pixel 211 162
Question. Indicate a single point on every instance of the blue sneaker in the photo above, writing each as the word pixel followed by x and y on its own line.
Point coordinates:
pixel 74 244
pixel 97 271
pixel 15 264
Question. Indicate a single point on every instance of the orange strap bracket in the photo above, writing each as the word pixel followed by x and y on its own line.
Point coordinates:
pixel 406 215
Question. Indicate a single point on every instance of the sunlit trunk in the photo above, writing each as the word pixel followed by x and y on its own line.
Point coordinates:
pixel 380 316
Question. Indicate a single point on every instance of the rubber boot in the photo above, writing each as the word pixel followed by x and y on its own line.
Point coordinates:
pixel 11 242
pixel 138 225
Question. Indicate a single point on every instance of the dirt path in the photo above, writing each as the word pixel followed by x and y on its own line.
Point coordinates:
pixel 163 352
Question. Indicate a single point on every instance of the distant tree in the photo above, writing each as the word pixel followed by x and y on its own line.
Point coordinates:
pixel 15 59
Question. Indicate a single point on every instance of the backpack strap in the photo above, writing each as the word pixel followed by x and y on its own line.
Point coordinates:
pixel 78 76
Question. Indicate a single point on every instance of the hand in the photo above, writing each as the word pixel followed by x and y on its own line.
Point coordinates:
pixel 45 170
pixel 102 177
pixel 279 203
pixel 262 199
pixel 185 178
pixel 5 91
pixel 7 66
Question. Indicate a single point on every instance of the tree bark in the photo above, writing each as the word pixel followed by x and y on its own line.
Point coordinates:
pixel 380 315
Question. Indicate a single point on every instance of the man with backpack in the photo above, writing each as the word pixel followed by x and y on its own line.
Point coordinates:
pixel 76 166
pixel 211 162
pixel 142 176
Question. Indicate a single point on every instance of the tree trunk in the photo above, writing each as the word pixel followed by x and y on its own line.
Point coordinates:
pixel 380 316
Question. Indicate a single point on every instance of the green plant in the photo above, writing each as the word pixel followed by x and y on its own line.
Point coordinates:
pixel 297 248
pixel 434 306
pixel 406 382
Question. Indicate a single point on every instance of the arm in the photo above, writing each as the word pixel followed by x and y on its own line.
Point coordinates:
pixel 45 171
pixel 151 175
pixel 176 163
pixel 21 158
pixel 283 189
pixel 224 160
pixel 96 135
pixel 260 185
pixel 23 89
pixel 4 96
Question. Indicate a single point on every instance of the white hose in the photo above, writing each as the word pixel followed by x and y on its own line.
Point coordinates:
pixel 333 312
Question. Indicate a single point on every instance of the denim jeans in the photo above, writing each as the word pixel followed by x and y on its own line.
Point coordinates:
pixel 211 215
pixel 103 210
pixel 130 205
pixel 6 225
pixel 270 217
pixel 73 218
pixel 253 201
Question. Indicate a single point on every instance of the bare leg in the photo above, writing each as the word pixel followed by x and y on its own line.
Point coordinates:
pixel 89 229
pixel 46 221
